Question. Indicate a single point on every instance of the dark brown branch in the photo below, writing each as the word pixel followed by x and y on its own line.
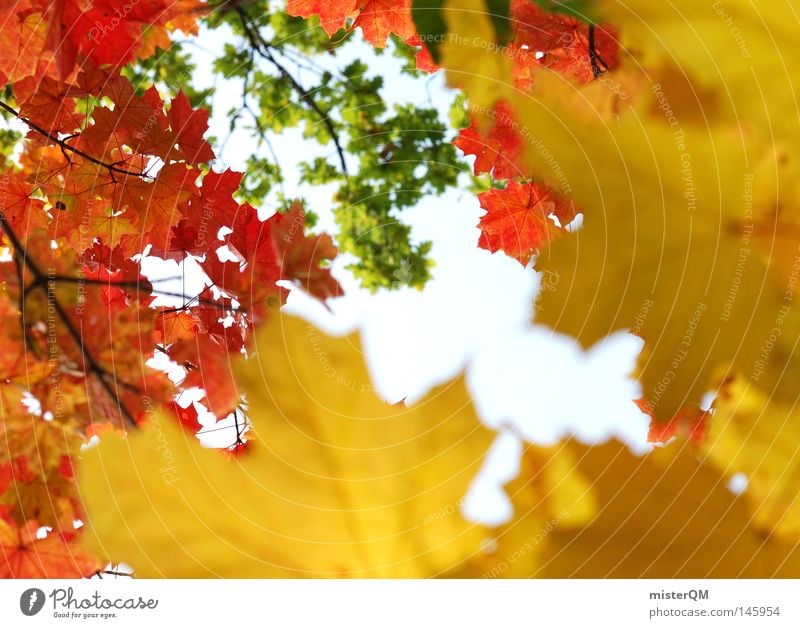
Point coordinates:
pixel 40 281
pixel 91 364
pixel 21 303
pixel 110 572
pixel 239 440
pixel 594 57
pixel 262 47
pixel 135 285
pixel 65 147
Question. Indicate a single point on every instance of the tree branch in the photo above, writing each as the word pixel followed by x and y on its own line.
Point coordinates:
pixel 110 572
pixel 91 366
pixel 135 285
pixel 595 59
pixel 262 47
pixel 62 143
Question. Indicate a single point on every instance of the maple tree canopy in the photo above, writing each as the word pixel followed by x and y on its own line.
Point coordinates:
pixel 640 152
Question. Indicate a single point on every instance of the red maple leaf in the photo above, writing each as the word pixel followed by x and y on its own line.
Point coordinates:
pixel 105 31
pixel 175 325
pixel 497 149
pixel 559 42
pixel 208 365
pixel 332 14
pixel 377 19
pixel 189 125
pixel 380 18
pixel 23 555
pixel 46 103
pixel 519 219
pixel 691 423
pixel 423 58
pixel 302 258
pixel 23 213
pixel 187 417
pixel 212 207
pixel 541 30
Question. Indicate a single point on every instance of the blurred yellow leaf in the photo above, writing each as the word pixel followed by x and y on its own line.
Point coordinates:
pixel 549 493
pixel 475 62
pixel 616 515
pixel 338 482
pixel 665 515
pixel 744 52
pixel 759 438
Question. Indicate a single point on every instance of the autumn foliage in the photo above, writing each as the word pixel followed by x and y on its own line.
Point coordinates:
pixel 104 175
pixel 603 149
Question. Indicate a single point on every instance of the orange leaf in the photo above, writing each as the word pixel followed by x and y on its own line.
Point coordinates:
pixel 172 326
pixel 23 555
pixel 519 219
pixel 332 14
pixel 497 149
pixel 380 18
pixel 302 257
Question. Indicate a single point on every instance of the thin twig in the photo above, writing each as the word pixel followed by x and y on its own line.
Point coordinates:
pixel 40 281
pixel 594 57
pixel 110 572
pixel 62 143
pixel 135 285
pixel 262 47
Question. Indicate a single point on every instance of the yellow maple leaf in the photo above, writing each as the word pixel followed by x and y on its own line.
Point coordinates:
pixel 669 248
pixel 662 515
pixel 338 482
pixel 759 438
pixel 549 492
pixel 743 52
pixel 472 56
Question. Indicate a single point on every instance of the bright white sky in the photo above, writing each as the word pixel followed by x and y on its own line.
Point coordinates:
pixel 473 316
